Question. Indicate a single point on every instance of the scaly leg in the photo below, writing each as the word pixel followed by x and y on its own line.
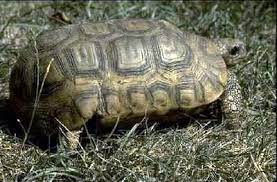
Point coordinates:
pixel 231 102
pixel 70 139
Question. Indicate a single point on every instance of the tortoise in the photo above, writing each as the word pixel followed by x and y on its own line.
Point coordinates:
pixel 120 71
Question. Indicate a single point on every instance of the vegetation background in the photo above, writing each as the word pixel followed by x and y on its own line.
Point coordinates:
pixel 191 153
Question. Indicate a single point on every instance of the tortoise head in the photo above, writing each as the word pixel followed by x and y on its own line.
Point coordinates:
pixel 232 50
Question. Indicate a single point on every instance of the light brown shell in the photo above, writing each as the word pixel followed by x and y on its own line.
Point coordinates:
pixel 119 68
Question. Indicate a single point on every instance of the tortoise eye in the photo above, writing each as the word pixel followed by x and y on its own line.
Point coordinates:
pixel 234 51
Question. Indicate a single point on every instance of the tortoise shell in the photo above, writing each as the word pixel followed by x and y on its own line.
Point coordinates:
pixel 118 68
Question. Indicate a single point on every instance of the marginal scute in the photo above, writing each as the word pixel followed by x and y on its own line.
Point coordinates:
pixel 51 38
pixel 137 98
pixel 87 105
pixel 69 117
pixel 160 93
pixel 138 25
pixel 169 27
pixel 185 92
pixel 113 105
pixel 199 93
pixel 161 101
pixel 185 98
pixel 62 60
pixel 222 77
pixel 138 102
pixel 55 74
pixel 96 29
pixel 87 89
pixel 212 91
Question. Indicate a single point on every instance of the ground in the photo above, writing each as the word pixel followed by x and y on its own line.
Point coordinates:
pixel 197 152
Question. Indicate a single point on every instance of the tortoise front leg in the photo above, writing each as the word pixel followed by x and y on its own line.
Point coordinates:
pixel 69 140
pixel 231 102
pixel 80 112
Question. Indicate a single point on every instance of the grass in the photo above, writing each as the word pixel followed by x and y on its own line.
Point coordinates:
pixel 176 153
